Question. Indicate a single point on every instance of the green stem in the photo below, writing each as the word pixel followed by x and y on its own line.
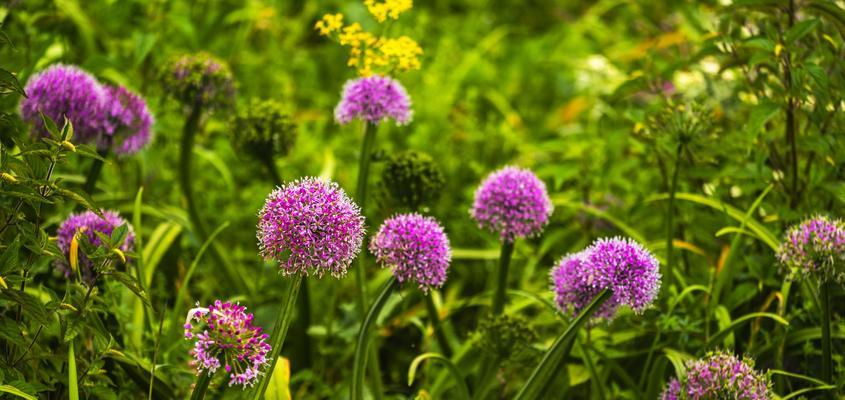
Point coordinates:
pixel 502 278
pixel 277 338
pixel 670 221
pixel 361 349
pixel 364 160
pixel 73 385
pixel 189 132
pixel 361 197
pixel 824 300
pixel 439 334
pixel 557 353
pixel 200 389
pixel 94 173
pixel 486 381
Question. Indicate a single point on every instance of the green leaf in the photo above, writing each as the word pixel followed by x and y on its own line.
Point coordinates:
pixel 73 388
pixel 7 388
pixel 760 115
pixel 30 305
pixel 8 82
pixel 727 330
pixel 828 10
pixel 82 198
pixel 800 30
pixel 50 125
pixel 160 241
pixel 678 359
pixel 132 284
pixel 9 258
pixel 456 373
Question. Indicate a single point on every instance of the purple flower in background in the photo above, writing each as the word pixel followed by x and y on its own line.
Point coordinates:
pixel 374 99
pixel 88 223
pixel 719 376
pixel 621 265
pixel 310 226
pixel 415 247
pixel 815 247
pixel 512 202
pixel 228 339
pixel 672 390
pixel 65 91
pixel 129 120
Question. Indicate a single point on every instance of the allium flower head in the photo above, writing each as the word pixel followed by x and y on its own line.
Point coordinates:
pixel 88 223
pixel 512 202
pixel 310 226
pixel 719 376
pixel 374 99
pixel 227 338
pixel 263 129
pixel 129 121
pixel 815 247
pixel 411 179
pixel 66 91
pixel 416 248
pixel 631 272
pixel 200 79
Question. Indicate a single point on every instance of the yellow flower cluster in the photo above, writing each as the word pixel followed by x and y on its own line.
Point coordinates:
pixel 387 8
pixel 369 53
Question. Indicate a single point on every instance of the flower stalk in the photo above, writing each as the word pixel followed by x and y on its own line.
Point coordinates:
pixel 502 278
pixel 827 363
pixel 277 338
pixel 201 387
pixel 361 349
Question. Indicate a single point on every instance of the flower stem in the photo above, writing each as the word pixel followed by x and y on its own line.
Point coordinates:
pixel 668 274
pixel 277 338
pixel 439 334
pixel 557 353
pixel 94 173
pixel 502 278
pixel 361 348
pixel 824 299
pixel 201 387
pixel 369 131
pixel 189 132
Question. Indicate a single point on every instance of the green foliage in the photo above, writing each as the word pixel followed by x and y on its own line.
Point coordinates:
pixel 701 129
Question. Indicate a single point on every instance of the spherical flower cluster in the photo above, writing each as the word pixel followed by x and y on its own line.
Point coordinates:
pixel 200 80
pixel 110 116
pixel 129 121
pixel 228 338
pixel 89 223
pixel 631 272
pixel 416 248
pixel 509 338
pixel 512 202
pixel 816 247
pixel 410 179
pixel 66 91
pixel 263 129
pixel 310 226
pixel 719 376
pixel 374 99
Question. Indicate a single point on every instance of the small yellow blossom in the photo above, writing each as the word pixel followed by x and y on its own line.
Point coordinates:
pixel 381 10
pixel 329 24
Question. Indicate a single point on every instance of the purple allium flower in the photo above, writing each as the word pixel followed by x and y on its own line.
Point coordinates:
pixel 720 376
pixel 672 390
pixel 65 91
pixel 815 247
pixel 415 247
pixel 228 338
pixel 129 120
pixel 88 223
pixel 621 265
pixel 512 202
pixel 310 226
pixel 374 99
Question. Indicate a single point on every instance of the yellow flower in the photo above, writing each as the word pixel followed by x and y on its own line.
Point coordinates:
pixel 388 8
pixel 329 24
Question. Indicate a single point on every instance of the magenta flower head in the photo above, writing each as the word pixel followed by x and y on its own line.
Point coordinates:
pixel 228 339
pixel 310 226
pixel 65 91
pixel 88 223
pixel 719 376
pixel 631 272
pixel 512 202
pixel 374 99
pixel 815 247
pixel 129 121
pixel 416 248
